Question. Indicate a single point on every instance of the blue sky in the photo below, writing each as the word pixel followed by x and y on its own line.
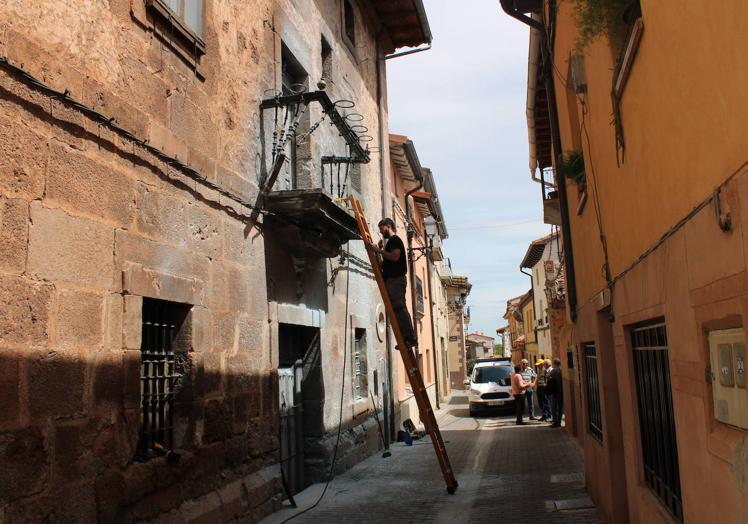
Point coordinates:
pixel 463 105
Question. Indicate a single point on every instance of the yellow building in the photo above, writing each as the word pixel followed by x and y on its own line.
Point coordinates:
pixel 638 137
pixel 527 306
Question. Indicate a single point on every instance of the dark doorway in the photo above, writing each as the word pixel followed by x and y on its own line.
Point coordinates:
pixel 302 398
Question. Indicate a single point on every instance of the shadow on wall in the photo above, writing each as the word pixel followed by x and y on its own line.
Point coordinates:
pixel 294 280
pixel 70 428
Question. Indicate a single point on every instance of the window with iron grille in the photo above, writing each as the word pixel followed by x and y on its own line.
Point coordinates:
pixel 162 339
pixel 360 371
pixel 184 19
pixel 594 411
pixel 420 306
pixel 656 417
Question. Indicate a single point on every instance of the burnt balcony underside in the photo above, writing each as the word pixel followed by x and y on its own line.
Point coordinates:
pixel 307 222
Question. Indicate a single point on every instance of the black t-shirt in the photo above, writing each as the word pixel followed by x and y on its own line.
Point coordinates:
pixel 398 268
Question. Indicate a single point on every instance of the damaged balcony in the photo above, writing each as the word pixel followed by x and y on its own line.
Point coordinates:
pixel 304 217
pixel 309 223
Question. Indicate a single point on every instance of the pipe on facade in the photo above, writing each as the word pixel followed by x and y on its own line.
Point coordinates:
pixel 415 165
pixel 509 7
pixel 430 261
pixel 389 402
pixel 411 259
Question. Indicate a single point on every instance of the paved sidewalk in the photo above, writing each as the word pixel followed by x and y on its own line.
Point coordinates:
pixel 505 473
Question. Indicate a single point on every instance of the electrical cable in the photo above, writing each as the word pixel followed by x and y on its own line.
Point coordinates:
pixel 340 412
pixel 109 122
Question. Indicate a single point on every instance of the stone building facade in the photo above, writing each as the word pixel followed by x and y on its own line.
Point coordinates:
pixel 457 290
pixel 144 332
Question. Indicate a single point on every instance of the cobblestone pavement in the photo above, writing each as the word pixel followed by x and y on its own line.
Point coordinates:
pixel 505 473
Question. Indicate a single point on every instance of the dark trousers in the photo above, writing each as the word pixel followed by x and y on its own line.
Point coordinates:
pixel 544 403
pixel 396 287
pixel 519 401
pixel 558 409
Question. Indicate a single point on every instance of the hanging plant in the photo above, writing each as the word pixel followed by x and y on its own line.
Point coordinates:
pixel 595 18
pixel 571 166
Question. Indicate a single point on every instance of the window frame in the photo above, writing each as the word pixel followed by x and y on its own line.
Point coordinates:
pixel 165 326
pixel 177 23
pixel 420 305
pixel 592 391
pixel 349 43
pixel 359 365
pixel 658 435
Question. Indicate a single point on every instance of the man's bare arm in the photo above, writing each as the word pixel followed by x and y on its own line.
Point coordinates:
pixel 392 256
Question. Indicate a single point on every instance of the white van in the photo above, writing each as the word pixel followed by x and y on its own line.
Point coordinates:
pixel 491 385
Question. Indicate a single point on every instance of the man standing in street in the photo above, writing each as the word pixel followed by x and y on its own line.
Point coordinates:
pixel 394 271
pixel 555 389
pixel 528 375
pixel 545 410
pixel 519 386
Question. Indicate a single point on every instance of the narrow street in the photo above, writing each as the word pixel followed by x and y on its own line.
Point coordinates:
pixel 505 473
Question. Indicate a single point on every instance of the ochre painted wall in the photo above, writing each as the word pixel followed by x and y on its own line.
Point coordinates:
pixel 684 118
pixel 685 125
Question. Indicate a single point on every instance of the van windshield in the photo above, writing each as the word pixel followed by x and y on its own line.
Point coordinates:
pixel 497 374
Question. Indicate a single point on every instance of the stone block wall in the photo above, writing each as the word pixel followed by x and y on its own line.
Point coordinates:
pixel 91 223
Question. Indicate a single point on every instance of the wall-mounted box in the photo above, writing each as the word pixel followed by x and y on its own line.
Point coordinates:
pixel 727 363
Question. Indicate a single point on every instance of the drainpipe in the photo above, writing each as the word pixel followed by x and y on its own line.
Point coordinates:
pixel 411 258
pixel 389 400
pixel 429 261
pixel 550 88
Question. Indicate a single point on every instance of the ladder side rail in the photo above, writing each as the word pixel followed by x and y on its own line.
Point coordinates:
pixel 409 360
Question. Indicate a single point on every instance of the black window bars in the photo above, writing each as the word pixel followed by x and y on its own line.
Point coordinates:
pixel 594 411
pixel 157 376
pixel 656 417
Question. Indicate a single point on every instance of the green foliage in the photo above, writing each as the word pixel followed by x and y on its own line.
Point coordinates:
pixel 598 17
pixel 470 366
pixel 572 167
pixel 498 349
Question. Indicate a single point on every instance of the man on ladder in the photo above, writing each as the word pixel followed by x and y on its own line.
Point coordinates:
pixel 394 271
pixel 391 282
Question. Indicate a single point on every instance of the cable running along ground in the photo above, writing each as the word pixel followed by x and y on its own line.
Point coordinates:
pixel 340 413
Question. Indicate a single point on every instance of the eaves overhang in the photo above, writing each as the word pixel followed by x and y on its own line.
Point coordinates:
pixel 535 251
pixel 458 282
pixel 537 115
pixel 405 22
pixel 403 155
pixel 433 204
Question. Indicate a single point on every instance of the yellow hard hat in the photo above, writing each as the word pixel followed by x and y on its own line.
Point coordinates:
pixel 539 362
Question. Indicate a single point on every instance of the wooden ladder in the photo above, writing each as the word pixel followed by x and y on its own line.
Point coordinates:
pixel 409 359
